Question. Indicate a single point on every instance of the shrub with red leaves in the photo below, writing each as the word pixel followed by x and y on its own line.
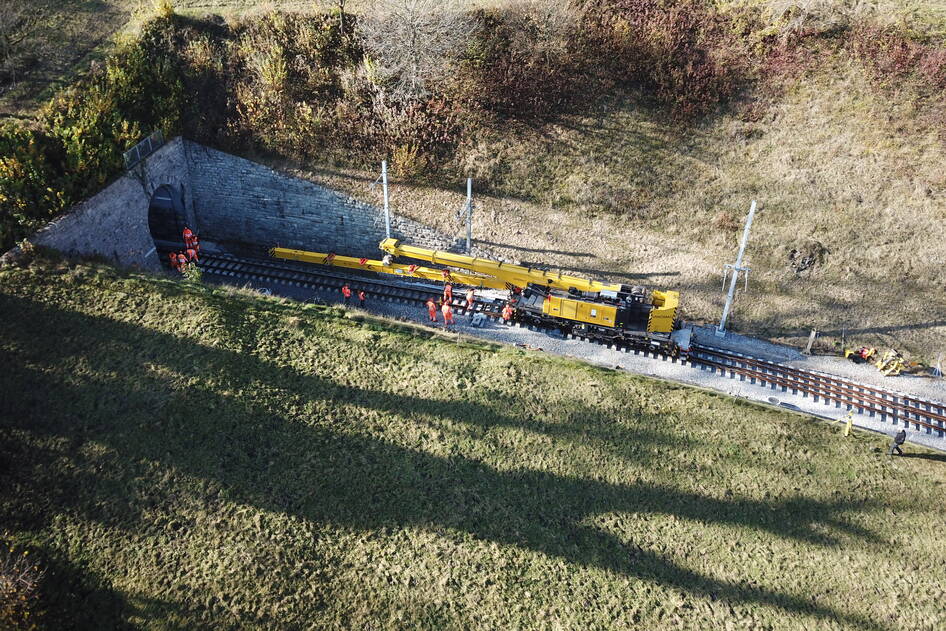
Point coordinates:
pixel 681 51
pixel 893 57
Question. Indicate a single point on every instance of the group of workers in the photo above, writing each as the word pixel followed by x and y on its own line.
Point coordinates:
pixel 347 293
pixel 445 306
pixel 180 260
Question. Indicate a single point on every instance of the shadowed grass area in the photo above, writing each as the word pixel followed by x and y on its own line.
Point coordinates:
pixel 201 457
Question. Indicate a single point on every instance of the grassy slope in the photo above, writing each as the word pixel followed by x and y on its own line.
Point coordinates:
pixel 186 457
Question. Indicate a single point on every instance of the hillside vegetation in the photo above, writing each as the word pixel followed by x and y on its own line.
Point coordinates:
pixel 180 457
pixel 617 138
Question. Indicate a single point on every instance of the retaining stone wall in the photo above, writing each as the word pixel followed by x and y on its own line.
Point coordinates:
pixel 114 223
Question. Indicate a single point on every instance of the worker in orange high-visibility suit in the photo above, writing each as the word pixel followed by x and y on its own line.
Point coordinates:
pixel 188 236
pixel 192 254
pixel 181 262
pixel 361 298
pixel 507 313
pixel 195 243
pixel 432 309
pixel 447 314
pixel 448 293
pixel 346 292
pixel 470 299
pixel 172 256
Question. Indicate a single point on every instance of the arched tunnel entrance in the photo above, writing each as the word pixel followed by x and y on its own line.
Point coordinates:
pixel 166 220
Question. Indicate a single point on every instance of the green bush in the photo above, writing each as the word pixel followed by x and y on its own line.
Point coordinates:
pixel 85 128
pixel 32 189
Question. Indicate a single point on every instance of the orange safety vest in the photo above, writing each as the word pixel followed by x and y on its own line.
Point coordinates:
pixel 470 297
pixel 173 257
pixel 448 292
pixel 361 295
pixel 191 254
pixel 431 306
pixel 346 291
pixel 507 313
pixel 181 261
pixel 447 313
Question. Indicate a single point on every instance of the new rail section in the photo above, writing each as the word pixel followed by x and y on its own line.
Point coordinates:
pixel 887 405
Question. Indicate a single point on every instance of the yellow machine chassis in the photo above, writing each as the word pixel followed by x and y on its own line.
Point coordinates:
pixel 580 311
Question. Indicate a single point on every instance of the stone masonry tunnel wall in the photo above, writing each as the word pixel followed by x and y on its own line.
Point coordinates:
pixel 248 208
pixel 113 224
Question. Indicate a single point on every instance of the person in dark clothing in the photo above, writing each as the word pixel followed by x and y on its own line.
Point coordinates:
pixel 898 440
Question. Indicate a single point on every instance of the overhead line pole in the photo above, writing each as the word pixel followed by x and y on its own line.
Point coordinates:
pixel 469 214
pixel 387 209
pixel 721 329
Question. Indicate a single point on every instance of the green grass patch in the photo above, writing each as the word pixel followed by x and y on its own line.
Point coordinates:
pixel 185 457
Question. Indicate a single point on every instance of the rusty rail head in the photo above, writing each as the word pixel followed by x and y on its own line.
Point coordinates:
pixel 863 397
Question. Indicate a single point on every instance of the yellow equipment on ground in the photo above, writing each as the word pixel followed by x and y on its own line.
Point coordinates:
pixel 890 363
pixel 860 355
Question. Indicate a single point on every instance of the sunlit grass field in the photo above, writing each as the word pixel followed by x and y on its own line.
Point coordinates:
pixel 182 457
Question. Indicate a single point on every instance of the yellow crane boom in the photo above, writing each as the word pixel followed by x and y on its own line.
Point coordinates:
pixel 371 265
pixel 515 275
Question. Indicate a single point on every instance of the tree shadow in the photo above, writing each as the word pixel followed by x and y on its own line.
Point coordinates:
pixel 611 274
pixel 923 456
pixel 300 461
pixel 534 250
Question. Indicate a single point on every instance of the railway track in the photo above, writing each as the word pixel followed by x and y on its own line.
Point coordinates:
pixel 888 406
pixel 874 402
pixel 305 277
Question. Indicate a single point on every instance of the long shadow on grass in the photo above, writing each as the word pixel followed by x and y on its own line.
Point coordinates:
pixel 284 459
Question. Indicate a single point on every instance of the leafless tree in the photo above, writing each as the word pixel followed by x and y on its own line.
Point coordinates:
pixel 415 40
pixel 340 5
pixel 19 20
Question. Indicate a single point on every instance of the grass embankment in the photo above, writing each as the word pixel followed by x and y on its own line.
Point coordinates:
pixel 186 457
